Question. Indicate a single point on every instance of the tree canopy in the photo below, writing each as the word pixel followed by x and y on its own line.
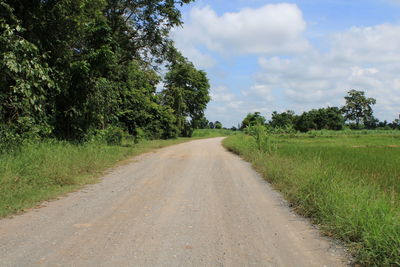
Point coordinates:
pixel 358 107
pixel 252 119
pixel 69 68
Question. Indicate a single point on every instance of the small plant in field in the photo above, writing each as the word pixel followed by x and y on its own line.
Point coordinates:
pixel 260 134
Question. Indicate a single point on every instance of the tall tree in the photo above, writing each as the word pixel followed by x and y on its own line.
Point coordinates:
pixel 358 107
pixel 25 80
pixel 186 91
pixel 76 66
pixel 139 105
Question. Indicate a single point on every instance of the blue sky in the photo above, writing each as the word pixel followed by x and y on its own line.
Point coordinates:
pixel 293 55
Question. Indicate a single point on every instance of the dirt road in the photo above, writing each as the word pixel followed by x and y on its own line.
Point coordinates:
pixel 193 204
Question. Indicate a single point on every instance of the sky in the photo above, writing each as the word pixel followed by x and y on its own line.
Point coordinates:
pixel 270 56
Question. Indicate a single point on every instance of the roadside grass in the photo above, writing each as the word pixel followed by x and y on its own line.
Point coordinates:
pixel 44 170
pixel 212 133
pixel 349 184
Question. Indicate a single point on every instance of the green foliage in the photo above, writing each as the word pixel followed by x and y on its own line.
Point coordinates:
pixel 140 135
pixel 24 81
pixel 283 119
pixel 260 134
pixel 217 125
pixel 186 92
pixel 286 130
pixel 324 118
pixel 346 181
pixel 252 119
pixel 69 68
pixel 207 133
pixel 358 107
pixel 140 106
pixel 113 136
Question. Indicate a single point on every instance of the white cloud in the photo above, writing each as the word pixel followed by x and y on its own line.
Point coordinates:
pixel 365 59
pixel 261 91
pixel 273 28
pixel 293 74
pixel 221 94
pixel 200 60
pixel 378 44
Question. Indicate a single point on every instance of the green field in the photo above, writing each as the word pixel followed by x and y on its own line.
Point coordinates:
pixel 44 170
pixel 347 182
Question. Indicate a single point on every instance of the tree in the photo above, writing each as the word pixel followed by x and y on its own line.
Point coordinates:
pixel 74 67
pixel 218 125
pixel 358 107
pixel 202 123
pixel 395 124
pixel 252 119
pixel 186 91
pixel 88 46
pixel 139 108
pixel 317 119
pixel 25 80
pixel 371 123
pixel 282 120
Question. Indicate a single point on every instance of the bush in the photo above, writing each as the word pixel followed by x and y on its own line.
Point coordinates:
pixel 260 134
pixel 9 140
pixel 140 135
pixel 113 136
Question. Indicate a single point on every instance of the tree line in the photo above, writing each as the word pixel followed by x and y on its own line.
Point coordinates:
pixel 357 113
pixel 69 68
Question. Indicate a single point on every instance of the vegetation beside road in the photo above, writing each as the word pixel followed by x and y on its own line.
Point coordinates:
pixel 212 133
pixel 44 170
pixel 347 181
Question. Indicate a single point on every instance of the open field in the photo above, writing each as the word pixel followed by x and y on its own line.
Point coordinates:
pixel 41 171
pixel 349 183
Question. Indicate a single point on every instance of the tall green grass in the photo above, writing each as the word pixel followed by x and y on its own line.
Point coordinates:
pixel 348 183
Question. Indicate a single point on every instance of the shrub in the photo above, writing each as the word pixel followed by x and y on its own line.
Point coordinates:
pixel 114 135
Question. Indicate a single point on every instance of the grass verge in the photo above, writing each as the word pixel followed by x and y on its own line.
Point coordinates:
pixel 45 170
pixel 348 184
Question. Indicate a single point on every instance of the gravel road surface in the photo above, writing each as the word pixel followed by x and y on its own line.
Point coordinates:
pixel 193 204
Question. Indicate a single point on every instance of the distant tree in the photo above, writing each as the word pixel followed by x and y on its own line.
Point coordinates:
pixel 306 121
pixel 382 124
pixel 252 119
pixel 371 123
pixel 284 119
pixel 201 123
pixel 330 118
pixel 324 118
pixel 233 128
pixel 395 124
pixel 358 107
pixel 211 125
pixel 218 125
